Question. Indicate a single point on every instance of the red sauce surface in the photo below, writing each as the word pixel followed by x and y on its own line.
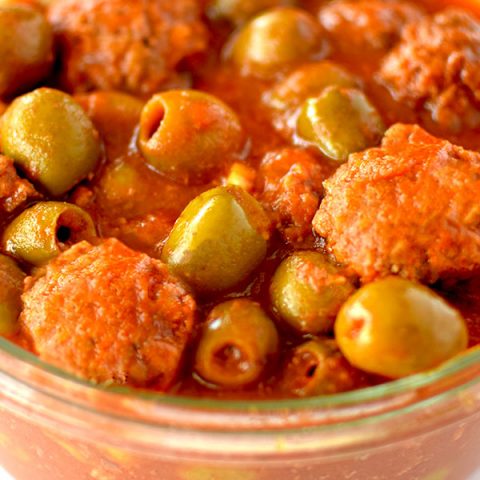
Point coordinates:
pixel 143 220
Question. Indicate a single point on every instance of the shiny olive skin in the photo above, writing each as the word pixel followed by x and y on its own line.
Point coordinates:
pixel 11 288
pixel 395 328
pixel 236 343
pixel 26 47
pixel 276 40
pixel 318 367
pixel 239 11
pixel 43 231
pixel 307 292
pixel 188 135
pixel 50 138
pixel 308 81
pixel 340 121
pixel 219 239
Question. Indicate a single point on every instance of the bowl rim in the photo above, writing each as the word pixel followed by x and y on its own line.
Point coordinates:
pixel 22 367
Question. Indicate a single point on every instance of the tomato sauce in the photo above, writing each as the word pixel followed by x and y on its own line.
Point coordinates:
pixel 130 201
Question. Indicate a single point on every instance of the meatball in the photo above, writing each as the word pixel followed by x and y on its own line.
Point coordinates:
pixel 109 314
pixel 290 188
pixel 436 67
pixel 409 207
pixel 137 46
pixel 372 25
pixel 14 191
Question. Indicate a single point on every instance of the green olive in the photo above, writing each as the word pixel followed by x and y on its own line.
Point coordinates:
pixel 26 47
pixel 276 40
pixel 236 343
pixel 43 231
pixel 239 11
pixel 119 184
pixel 11 288
pixel 307 292
pixel 339 122
pixel 394 327
pixel 219 239
pixel 189 135
pixel 318 367
pixel 51 138
pixel 306 82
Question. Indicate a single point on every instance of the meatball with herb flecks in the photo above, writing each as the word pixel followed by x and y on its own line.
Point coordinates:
pixel 408 207
pixel 290 188
pixel 436 67
pixel 372 25
pixel 109 314
pixel 136 46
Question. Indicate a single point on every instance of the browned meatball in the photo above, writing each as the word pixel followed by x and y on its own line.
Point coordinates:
pixel 14 191
pixel 136 46
pixel 371 25
pixel 436 66
pixel 108 313
pixel 290 186
pixel 409 207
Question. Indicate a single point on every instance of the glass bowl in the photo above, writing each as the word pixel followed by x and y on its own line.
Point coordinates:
pixel 54 426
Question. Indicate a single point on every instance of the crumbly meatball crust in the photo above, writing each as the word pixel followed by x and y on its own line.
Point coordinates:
pixel 290 189
pixel 136 46
pixel 409 207
pixel 374 25
pixel 436 66
pixel 109 314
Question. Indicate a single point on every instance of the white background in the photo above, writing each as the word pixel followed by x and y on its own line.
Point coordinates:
pixel 4 475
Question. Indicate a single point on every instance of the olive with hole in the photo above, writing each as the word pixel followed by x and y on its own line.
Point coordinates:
pixel 239 11
pixel 11 288
pixel 318 367
pixel 43 231
pixel 340 121
pixel 307 291
pixel 306 82
pixel 236 343
pixel 276 40
pixel 51 139
pixel 26 47
pixel 219 239
pixel 395 328
pixel 189 136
